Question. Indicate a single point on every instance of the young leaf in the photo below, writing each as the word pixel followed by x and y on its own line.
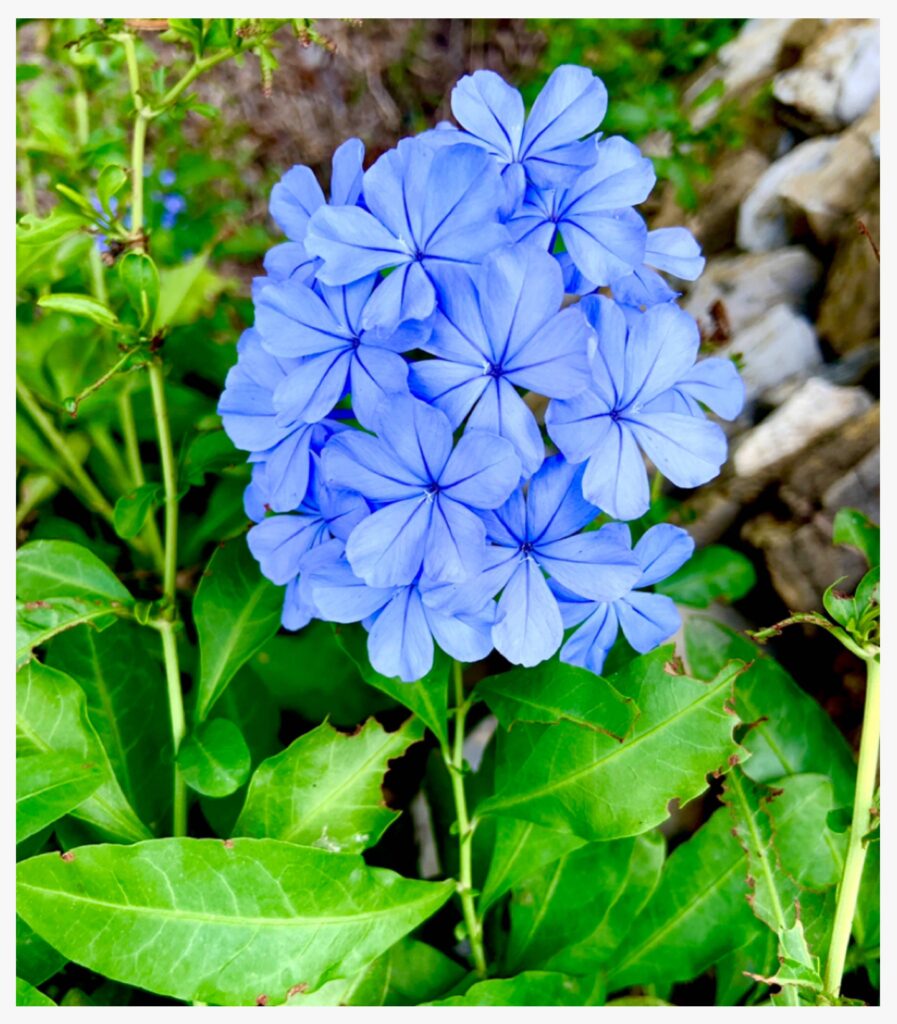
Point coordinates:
pixel 520 849
pixel 34 230
pixel 235 610
pixel 49 786
pixel 252 919
pixel 555 692
pixel 568 777
pixel 112 180
pixel 51 716
pixel 842 607
pixel 690 920
pixel 140 279
pixel 572 916
pixel 325 788
pixel 532 988
pixel 853 528
pixel 28 995
pixel 80 305
pixel 712 573
pixel 214 758
pixel 427 698
pixel 121 676
pixel 790 733
pixel 132 509
pixel 175 284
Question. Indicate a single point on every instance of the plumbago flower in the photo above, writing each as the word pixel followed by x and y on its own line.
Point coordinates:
pixel 322 329
pixel 646 619
pixel 539 534
pixel 644 397
pixel 603 235
pixel 546 149
pixel 296 197
pixel 423 303
pixel 427 209
pixel 426 491
pixel 500 330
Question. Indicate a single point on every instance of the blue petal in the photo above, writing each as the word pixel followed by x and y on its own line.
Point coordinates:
pixel 609 363
pixel 458 329
pixel 466 245
pixel 661 349
pixel 675 251
pixel 605 245
pixel 593 564
pixel 490 109
pixel 293 320
pixel 419 436
pixel 507 525
pixel 643 289
pixel 451 387
pixel 571 104
pixel 290 261
pixel 356 461
pixel 342 510
pixel 346 179
pixel 615 478
pixel 574 608
pixel 456 542
pixel 279 543
pixel 312 390
pixel 463 190
pixel 580 425
pixel 619 177
pixel 687 450
pixel 482 471
pixel 476 594
pixel 528 628
pixel 716 383
pixel 661 551
pixel 555 506
pixel 647 620
pixel 253 499
pixel 297 611
pixel 502 411
pixel 387 548
pixel 287 469
pixel 375 374
pixel 294 199
pixel 555 361
pixel 592 642
pixel 339 595
pixel 407 294
pixel 465 637
pixel 399 643
pixel 352 244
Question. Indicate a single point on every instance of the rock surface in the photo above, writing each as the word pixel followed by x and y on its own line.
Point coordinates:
pixel 837 78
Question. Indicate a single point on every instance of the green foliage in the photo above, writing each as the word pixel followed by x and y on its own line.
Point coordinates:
pixel 713 573
pixel 49 786
pixel 214 759
pixel 264 916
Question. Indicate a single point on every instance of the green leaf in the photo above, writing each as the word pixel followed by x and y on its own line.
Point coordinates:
pixel 214 758
pixel 80 305
pixel 736 972
pixel 132 509
pixel 712 573
pixel 556 692
pixel 409 973
pixel 250 918
pixel 856 529
pixel 696 909
pixel 51 717
pixel 532 988
pixel 111 181
pixel 568 777
pixel 60 585
pixel 36 960
pixel 208 453
pixel 790 733
pixel 28 995
pixel 842 607
pixel 235 610
pixel 48 786
pixel 58 568
pixel 140 279
pixel 572 916
pixel 427 698
pixel 520 849
pixel 175 286
pixel 808 850
pixel 120 674
pixel 325 789
pixel 34 230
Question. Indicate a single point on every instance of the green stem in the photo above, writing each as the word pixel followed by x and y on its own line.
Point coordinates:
pixel 849 889
pixel 166 630
pixel 454 760
pixel 89 492
pixel 100 381
pixel 138 146
pixel 169 482
pixel 138 477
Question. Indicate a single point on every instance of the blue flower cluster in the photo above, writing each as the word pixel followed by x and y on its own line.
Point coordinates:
pixel 400 474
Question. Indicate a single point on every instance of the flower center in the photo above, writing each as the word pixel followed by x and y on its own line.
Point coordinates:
pixel 494 370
